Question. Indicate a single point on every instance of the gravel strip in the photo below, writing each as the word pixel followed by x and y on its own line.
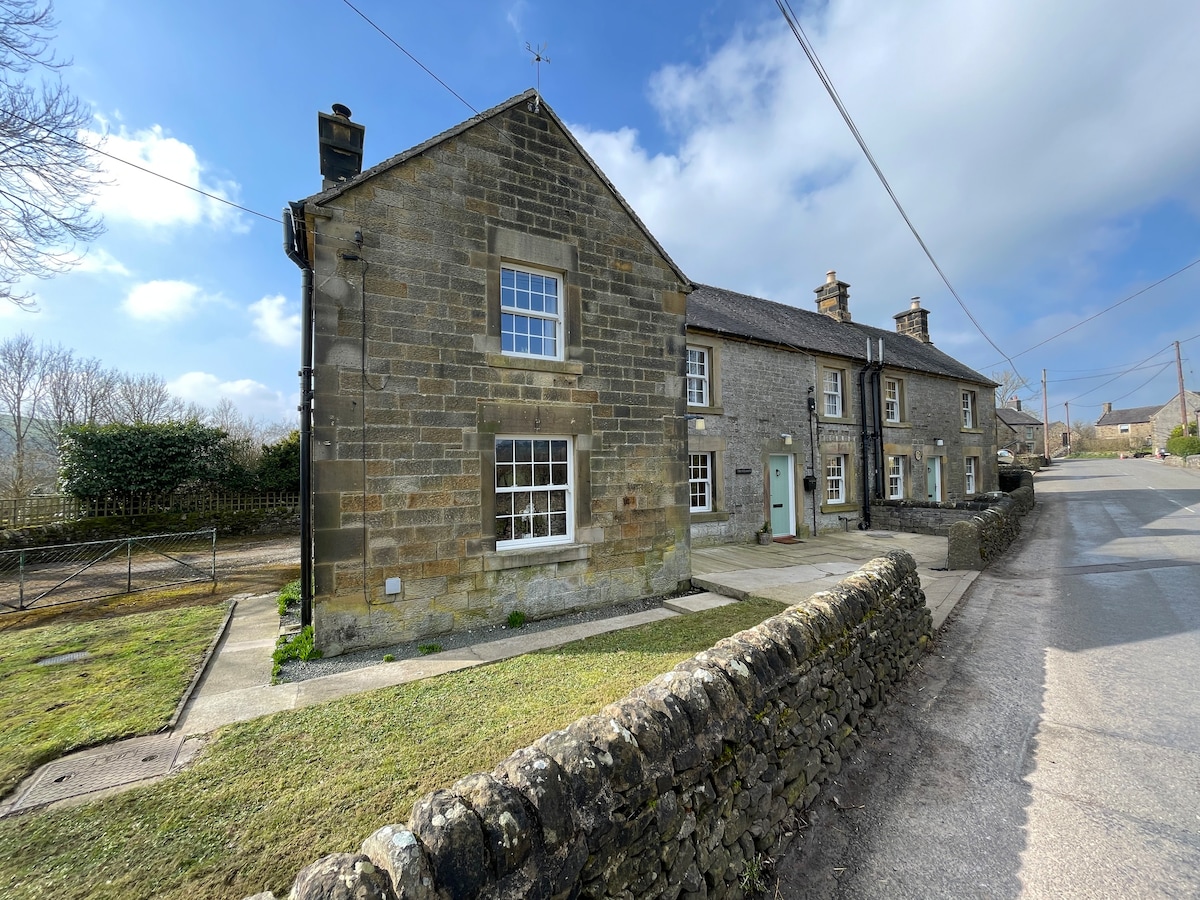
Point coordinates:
pixel 299 670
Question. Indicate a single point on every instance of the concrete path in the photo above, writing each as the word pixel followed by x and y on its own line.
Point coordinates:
pixel 236 684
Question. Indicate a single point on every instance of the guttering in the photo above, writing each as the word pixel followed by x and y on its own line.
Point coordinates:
pixel 295 245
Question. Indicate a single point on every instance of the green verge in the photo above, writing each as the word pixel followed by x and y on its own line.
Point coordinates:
pixel 271 795
pixel 139 667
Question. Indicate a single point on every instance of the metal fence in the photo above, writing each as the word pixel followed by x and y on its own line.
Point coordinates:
pixel 68 573
pixel 30 511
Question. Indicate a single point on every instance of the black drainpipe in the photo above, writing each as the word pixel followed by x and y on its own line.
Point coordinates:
pixel 295 245
pixel 865 478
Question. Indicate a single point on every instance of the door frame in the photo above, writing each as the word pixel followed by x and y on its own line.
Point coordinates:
pixel 789 502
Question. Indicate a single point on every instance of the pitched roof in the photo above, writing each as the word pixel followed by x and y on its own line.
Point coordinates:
pixel 737 315
pixel 1010 416
pixel 1134 416
pixel 337 190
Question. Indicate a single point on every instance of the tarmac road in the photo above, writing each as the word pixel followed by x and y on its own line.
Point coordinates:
pixel 1050 745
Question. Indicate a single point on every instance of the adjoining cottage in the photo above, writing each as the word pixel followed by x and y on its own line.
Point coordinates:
pixel 1018 430
pixel 808 416
pixel 498 401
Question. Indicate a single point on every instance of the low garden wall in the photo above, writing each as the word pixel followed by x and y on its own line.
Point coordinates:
pixel 974 543
pixel 681 789
pixel 924 516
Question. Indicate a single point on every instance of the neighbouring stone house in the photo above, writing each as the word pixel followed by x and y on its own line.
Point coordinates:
pixel 1019 430
pixel 498 397
pixel 1169 416
pixel 806 414
pixel 1128 425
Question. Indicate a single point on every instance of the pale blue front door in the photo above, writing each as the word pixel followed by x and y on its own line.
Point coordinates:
pixel 783 492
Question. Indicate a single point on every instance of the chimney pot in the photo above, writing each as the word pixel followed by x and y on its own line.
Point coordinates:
pixel 916 303
pixel 340 109
pixel 831 277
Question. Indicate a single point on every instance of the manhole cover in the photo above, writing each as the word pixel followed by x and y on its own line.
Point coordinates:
pixel 64 658
pixel 93 770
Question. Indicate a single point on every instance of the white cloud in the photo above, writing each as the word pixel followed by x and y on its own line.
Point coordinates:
pixel 98 261
pixel 132 195
pixel 164 300
pixel 252 398
pixel 1022 139
pixel 274 324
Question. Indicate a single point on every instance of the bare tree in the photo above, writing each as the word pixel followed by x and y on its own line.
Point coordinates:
pixel 23 382
pixel 77 392
pixel 1008 385
pixel 47 174
pixel 143 399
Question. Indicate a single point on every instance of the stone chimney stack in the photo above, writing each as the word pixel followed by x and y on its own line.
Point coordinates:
pixel 1107 409
pixel 833 298
pixel 341 144
pixel 914 322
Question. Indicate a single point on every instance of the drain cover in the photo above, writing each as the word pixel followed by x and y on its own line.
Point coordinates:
pixel 64 658
pixel 94 770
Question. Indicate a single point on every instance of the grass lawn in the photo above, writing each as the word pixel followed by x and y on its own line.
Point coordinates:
pixel 139 667
pixel 271 795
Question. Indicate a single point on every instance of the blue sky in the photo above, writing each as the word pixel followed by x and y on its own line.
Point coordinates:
pixel 1047 153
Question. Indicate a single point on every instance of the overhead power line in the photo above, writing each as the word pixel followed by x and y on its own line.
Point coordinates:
pixel 1126 372
pixel 1107 309
pixel 794 23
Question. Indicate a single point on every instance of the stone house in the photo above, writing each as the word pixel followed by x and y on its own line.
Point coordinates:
pixel 1129 425
pixel 498 397
pixel 1019 431
pixel 1169 416
pixel 807 416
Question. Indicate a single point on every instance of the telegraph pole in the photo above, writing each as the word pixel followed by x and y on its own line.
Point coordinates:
pixel 1182 394
pixel 1067 409
pixel 1045 419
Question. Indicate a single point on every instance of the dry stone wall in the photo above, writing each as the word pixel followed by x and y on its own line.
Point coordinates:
pixel 673 791
pixel 974 543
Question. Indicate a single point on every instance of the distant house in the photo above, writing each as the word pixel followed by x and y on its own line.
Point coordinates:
pixel 498 398
pixel 1169 417
pixel 808 416
pixel 1018 430
pixel 1131 425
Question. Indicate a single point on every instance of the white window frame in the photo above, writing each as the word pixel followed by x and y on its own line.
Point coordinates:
pixel 1124 428
pixel 832 388
pixel 699 371
pixel 968 409
pixel 895 477
pixel 557 488
pixel 835 478
pixel 891 399
pixel 700 481
pixel 971 474
pixel 513 314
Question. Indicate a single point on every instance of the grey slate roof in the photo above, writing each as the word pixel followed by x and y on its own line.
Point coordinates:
pixel 737 315
pixel 1010 416
pixel 1133 416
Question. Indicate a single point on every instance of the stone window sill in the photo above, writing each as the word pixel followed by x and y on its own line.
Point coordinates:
pixel 499 560
pixel 557 366
pixel 716 515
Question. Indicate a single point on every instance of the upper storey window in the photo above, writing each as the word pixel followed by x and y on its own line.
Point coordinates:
pixel 531 321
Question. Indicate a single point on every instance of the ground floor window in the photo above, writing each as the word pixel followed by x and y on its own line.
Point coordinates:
pixel 895 477
pixel 534 502
pixel 971 469
pixel 835 479
pixel 700 481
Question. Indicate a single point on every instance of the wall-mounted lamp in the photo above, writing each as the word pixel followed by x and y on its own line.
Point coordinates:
pixel 787 439
pixel 698 419
pixel 939 442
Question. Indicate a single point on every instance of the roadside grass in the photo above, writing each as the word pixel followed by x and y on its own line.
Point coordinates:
pixel 271 795
pixel 139 667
